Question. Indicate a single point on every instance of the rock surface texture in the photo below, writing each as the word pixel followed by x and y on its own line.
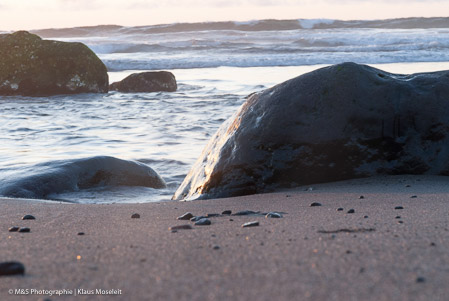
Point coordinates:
pixel 31 66
pixel 339 122
pixel 146 82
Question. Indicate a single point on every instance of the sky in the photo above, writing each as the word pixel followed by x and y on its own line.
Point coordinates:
pixel 36 14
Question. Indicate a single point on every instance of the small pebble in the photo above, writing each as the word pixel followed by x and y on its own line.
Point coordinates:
pixel 366 216
pixel 245 212
pixel 227 212
pixel 185 216
pixel 80 233
pixel 203 222
pixel 28 217
pixel 361 197
pixel 250 224
pixel 216 247
pixel 413 197
pixel 11 268
pixel 231 220
pixel 315 204
pixel 400 222
pixel 432 244
pixel 351 211
pixel 398 216
pixel 13 229
pixel 180 227
pixel 407 185
pixel 340 209
pixel 398 208
pixel 197 218
pixel 135 215
pixel 273 215
pixel 420 280
pixel 24 229
pixel 212 215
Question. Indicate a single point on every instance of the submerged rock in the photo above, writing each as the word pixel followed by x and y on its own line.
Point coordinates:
pixel 146 82
pixel 340 122
pixel 34 67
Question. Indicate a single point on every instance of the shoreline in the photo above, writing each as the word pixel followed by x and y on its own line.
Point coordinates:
pixel 312 253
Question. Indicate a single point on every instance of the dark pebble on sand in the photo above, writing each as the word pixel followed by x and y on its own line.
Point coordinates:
pixel 28 217
pixel 273 215
pixel 361 197
pixel 216 247
pixel 351 211
pixel 340 209
pixel 180 227
pixel 398 208
pixel 135 215
pixel 315 204
pixel 398 216
pixel 24 230
pixel 197 218
pixel 11 268
pixel 13 229
pixel 413 197
pixel 245 212
pixel 400 222
pixel 366 216
pixel 227 212
pixel 203 222
pixel 250 224
pixel 231 220
pixel 186 216
pixel 80 233
pixel 407 185
pixel 420 279
pixel 212 215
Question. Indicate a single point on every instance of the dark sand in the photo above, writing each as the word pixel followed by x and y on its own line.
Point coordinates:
pixel 282 259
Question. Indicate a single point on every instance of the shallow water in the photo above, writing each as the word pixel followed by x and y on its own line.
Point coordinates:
pixel 166 131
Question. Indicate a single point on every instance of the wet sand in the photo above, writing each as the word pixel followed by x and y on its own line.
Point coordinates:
pixel 312 253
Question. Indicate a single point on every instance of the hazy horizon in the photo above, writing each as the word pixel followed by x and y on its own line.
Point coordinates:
pixel 31 15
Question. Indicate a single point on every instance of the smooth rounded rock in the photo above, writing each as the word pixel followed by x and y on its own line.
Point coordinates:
pixel 13 229
pixel 315 204
pixel 351 211
pixel 11 268
pixel 273 215
pixel 203 222
pixel 339 122
pixel 28 217
pixel 135 215
pixel 250 224
pixel 24 230
pixel 185 216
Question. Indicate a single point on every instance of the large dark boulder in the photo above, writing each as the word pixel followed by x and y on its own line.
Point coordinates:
pixel 35 67
pixel 146 82
pixel 335 123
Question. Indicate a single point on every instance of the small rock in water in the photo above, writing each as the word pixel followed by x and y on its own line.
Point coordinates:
pixel 250 224
pixel 80 233
pixel 340 209
pixel 361 197
pixel 197 218
pixel 398 208
pixel 315 204
pixel 180 227
pixel 11 268
pixel 24 230
pixel 273 215
pixel 203 222
pixel 28 217
pixel 13 229
pixel 245 212
pixel 227 212
pixel 212 215
pixel 408 185
pixel 185 216
pixel 351 211
pixel 135 215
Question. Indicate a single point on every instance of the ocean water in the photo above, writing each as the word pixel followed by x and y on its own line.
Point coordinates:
pixel 47 143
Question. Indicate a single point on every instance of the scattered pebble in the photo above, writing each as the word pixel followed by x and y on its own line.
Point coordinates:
pixel 203 222
pixel 398 208
pixel 80 233
pixel 197 218
pixel 212 215
pixel 180 227
pixel 216 247
pixel 400 222
pixel 351 211
pixel 231 220
pixel 135 215
pixel 24 229
pixel 227 212
pixel 340 209
pixel 432 244
pixel 185 216
pixel 398 216
pixel 28 217
pixel 13 229
pixel 420 279
pixel 366 216
pixel 250 224
pixel 273 215
pixel 11 268
pixel 245 212
pixel 413 197
pixel 315 204
pixel 361 197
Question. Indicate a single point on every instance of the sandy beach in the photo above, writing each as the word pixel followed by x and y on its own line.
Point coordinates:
pixel 312 253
